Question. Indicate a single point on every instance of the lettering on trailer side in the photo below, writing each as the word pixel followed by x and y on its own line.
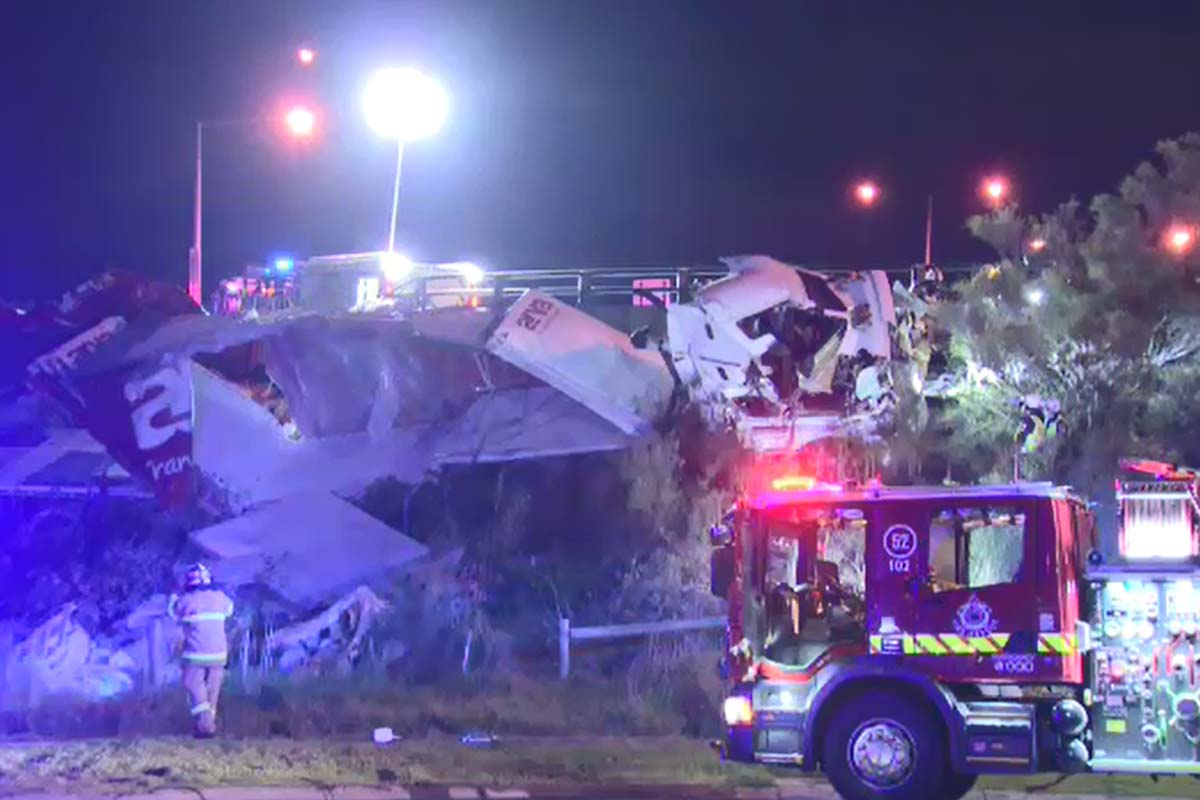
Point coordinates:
pixel 161 406
pixel 536 315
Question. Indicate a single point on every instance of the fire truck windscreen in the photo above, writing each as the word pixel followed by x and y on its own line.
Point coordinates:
pixel 813 582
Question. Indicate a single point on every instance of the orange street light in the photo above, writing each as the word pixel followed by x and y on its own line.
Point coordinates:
pixel 866 193
pixel 301 121
pixel 994 190
pixel 1180 239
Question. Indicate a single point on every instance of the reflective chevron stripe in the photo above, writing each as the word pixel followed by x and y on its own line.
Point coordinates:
pixel 952 644
pixel 928 644
pixel 1057 644
pixel 957 645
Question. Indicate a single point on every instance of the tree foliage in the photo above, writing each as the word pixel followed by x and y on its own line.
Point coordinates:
pixel 1101 317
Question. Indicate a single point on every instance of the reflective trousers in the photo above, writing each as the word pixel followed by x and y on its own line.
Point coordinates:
pixel 203 685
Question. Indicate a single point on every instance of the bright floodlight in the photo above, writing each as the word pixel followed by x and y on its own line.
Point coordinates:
pixel 283 264
pixel 472 273
pixel 301 121
pixel 1035 295
pixel 395 266
pixel 306 56
pixel 866 193
pixel 403 104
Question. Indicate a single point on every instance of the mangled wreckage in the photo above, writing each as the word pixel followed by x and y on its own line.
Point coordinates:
pixel 270 419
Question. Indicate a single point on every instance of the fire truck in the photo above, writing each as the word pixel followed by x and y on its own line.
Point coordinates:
pixel 905 641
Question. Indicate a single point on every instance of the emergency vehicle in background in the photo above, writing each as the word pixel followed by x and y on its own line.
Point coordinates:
pixel 907 640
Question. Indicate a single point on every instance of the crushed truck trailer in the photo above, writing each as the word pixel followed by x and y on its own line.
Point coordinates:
pixel 360 368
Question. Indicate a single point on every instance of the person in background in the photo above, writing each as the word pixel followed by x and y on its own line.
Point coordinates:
pixel 202 609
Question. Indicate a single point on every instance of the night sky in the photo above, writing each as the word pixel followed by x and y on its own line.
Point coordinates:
pixel 620 131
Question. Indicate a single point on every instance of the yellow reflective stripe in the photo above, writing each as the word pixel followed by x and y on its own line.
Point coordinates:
pixel 984 646
pixel 927 643
pixel 910 646
pixel 957 644
pixel 876 644
pixel 1062 644
pixel 1000 640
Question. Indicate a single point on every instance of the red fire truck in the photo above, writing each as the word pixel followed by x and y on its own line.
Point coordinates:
pixel 907 640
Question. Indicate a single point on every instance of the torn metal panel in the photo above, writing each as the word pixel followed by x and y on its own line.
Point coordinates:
pixel 250 457
pixel 711 348
pixel 524 423
pixel 334 637
pixel 305 547
pixel 871 313
pixel 342 376
pixel 587 360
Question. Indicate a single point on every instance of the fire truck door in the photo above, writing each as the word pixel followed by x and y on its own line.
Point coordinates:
pixel 894 557
pixel 976 606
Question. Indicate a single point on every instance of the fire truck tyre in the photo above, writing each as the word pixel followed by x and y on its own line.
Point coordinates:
pixel 957 785
pixel 886 746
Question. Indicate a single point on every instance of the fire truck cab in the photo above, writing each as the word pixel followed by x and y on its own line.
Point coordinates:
pixel 907 640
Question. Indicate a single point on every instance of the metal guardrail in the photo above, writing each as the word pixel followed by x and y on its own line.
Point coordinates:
pixel 567 634
pixel 646 285
pixel 613 285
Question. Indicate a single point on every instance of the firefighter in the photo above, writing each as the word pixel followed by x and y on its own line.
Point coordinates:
pixel 202 610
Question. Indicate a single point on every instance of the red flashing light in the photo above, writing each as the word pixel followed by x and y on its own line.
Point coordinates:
pixel 794 483
pixel 1037 245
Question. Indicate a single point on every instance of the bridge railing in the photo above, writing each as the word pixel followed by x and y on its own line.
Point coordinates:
pixel 602 285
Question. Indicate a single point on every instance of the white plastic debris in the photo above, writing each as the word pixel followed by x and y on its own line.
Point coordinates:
pixel 384 736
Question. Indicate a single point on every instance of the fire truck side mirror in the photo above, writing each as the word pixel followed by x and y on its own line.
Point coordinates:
pixel 723 570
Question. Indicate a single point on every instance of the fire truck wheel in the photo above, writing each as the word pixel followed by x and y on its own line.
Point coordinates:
pixel 885 746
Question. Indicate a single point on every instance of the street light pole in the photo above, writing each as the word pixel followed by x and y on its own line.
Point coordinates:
pixel 404 105
pixel 300 120
pixel 929 233
pixel 195 290
pixel 391 248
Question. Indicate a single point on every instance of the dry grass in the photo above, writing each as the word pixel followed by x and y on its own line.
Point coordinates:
pixel 515 705
pixel 121 765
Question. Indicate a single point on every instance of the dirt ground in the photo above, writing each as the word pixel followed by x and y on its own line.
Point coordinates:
pixel 124 765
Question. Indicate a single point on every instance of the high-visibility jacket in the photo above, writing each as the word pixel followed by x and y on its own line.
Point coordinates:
pixel 202 613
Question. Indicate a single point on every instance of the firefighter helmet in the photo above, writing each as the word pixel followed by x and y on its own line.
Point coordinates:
pixel 197 576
